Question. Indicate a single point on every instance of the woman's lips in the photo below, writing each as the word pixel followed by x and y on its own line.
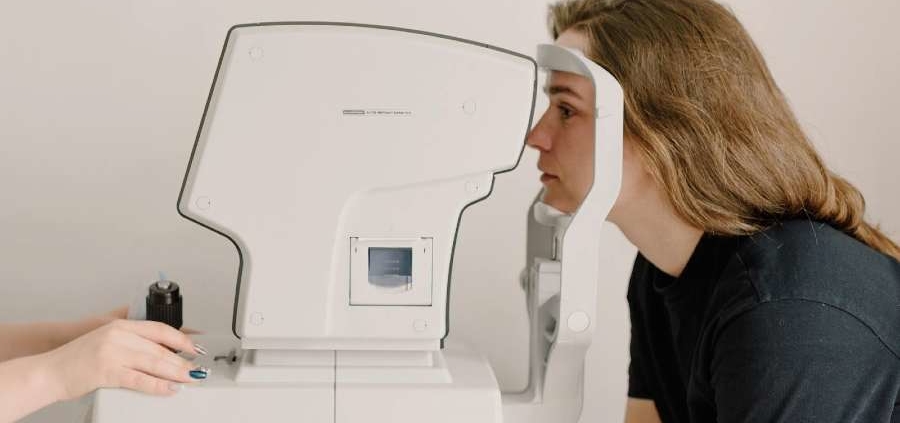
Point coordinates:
pixel 546 178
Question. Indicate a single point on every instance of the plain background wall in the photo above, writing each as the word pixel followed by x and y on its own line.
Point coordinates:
pixel 100 102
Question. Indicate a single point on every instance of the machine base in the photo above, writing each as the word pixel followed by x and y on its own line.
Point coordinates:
pixel 472 396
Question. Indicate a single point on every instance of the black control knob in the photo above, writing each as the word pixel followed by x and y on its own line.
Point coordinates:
pixel 164 303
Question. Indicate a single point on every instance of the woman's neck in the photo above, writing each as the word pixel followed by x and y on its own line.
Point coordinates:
pixel 662 237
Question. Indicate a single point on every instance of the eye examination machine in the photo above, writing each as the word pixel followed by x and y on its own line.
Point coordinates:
pixel 339 159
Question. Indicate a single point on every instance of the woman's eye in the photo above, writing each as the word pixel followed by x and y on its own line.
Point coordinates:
pixel 565 112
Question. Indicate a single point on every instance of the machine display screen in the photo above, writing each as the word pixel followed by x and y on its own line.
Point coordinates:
pixel 390 267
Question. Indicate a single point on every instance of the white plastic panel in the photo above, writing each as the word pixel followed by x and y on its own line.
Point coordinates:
pixel 319 133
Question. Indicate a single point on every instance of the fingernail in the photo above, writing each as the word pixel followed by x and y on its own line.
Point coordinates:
pixel 200 349
pixel 174 387
pixel 199 373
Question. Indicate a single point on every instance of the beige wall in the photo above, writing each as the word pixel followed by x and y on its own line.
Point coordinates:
pixel 101 100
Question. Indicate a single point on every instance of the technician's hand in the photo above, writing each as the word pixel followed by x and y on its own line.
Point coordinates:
pixel 122 354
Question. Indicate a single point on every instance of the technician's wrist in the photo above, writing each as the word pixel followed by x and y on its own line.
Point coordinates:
pixel 44 380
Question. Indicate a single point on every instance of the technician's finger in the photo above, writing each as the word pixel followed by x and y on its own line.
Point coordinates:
pixel 190 331
pixel 160 367
pixel 142 382
pixel 143 345
pixel 162 333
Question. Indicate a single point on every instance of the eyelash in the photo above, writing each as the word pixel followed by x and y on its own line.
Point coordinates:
pixel 565 112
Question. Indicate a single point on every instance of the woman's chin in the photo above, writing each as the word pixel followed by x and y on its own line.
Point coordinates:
pixel 559 202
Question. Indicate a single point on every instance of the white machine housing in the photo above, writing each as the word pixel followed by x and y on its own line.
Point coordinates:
pixel 338 159
pixel 322 142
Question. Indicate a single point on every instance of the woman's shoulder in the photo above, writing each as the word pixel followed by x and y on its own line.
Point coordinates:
pixel 805 260
pixel 805 257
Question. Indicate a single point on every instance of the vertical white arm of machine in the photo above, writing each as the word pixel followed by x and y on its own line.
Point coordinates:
pixel 564 309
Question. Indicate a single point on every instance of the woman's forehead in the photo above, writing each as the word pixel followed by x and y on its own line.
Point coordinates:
pixel 559 82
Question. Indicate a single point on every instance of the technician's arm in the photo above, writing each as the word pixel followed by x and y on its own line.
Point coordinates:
pixel 20 340
pixel 127 354
pixel 641 411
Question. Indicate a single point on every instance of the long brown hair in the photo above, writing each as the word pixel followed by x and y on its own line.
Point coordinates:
pixel 708 119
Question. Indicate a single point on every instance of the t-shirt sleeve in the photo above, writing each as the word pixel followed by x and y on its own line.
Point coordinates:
pixel 801 361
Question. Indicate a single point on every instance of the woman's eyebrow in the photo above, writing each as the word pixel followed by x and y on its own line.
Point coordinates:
pixel 561 89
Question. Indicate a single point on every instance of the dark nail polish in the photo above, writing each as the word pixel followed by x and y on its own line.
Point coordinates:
pixel 199 373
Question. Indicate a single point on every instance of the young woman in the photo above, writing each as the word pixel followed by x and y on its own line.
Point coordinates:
pixel 41 363
pixel 759 293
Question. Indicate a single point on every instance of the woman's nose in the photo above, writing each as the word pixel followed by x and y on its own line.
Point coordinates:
pixel 539 137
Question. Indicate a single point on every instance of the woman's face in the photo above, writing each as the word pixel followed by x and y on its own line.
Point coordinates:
pixel 564 135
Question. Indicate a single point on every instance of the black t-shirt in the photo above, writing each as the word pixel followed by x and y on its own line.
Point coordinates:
pixel 798 323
